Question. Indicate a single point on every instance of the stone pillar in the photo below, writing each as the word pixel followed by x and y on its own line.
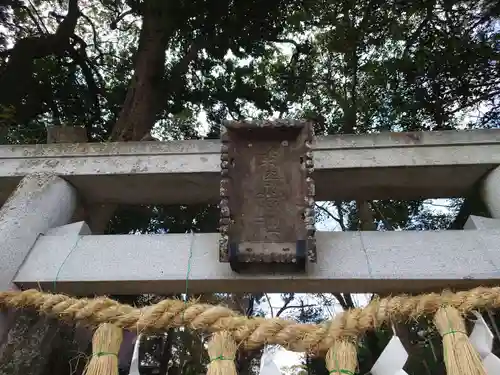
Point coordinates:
pixel 490 192
pixel 40 202
pixel 66 134
pixel 96 215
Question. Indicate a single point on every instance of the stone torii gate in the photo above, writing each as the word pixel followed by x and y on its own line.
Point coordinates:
pixel 39 243
pixel 280 171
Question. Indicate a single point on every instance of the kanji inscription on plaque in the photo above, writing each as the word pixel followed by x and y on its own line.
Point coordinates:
pixel 267 195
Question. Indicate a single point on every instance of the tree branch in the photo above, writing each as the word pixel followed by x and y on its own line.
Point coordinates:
pixel 286 303
pixel 413 38
pixel 67 27
pixel 18 72
pixel 387 224
pixel 297 306
pixel 114 23
pixel 270 307
pixel 342 301
pixel 34 19
pixel 338 205
pixel 327 212
pixel 94 35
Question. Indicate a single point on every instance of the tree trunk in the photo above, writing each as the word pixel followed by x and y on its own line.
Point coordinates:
pixel 70 350
pixel 37 345
pixel 138 114
pixel 28 345
pixel 139 111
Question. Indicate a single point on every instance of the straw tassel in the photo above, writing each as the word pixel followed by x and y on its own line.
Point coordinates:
pixel 460 357
pixel 105 346
pixel 342 358
pixel 222 353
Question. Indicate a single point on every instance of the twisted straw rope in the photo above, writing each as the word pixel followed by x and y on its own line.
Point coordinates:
pixel 251 332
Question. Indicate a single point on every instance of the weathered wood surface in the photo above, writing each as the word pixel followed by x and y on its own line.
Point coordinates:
pixel 267 194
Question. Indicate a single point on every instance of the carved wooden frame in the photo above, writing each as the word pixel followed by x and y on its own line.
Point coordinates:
pixel 300 135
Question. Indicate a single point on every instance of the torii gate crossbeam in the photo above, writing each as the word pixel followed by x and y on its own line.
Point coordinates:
pixel 371 166
pixel 36 248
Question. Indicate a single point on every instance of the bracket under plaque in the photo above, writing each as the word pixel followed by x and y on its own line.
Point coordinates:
pixel 267 196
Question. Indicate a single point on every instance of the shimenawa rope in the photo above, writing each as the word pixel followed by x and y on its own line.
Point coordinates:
pixel 250 332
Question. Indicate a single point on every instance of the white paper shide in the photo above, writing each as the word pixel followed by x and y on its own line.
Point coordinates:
pixel 267 364
pixel 392 359
pixel 134 364
pixel 481 339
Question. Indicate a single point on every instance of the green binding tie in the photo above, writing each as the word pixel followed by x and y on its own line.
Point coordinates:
pixel 103 354
pixel 342 371
pixel 221 358
pixel 452 331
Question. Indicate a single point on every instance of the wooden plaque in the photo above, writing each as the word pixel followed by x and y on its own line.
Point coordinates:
pixel 267 195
